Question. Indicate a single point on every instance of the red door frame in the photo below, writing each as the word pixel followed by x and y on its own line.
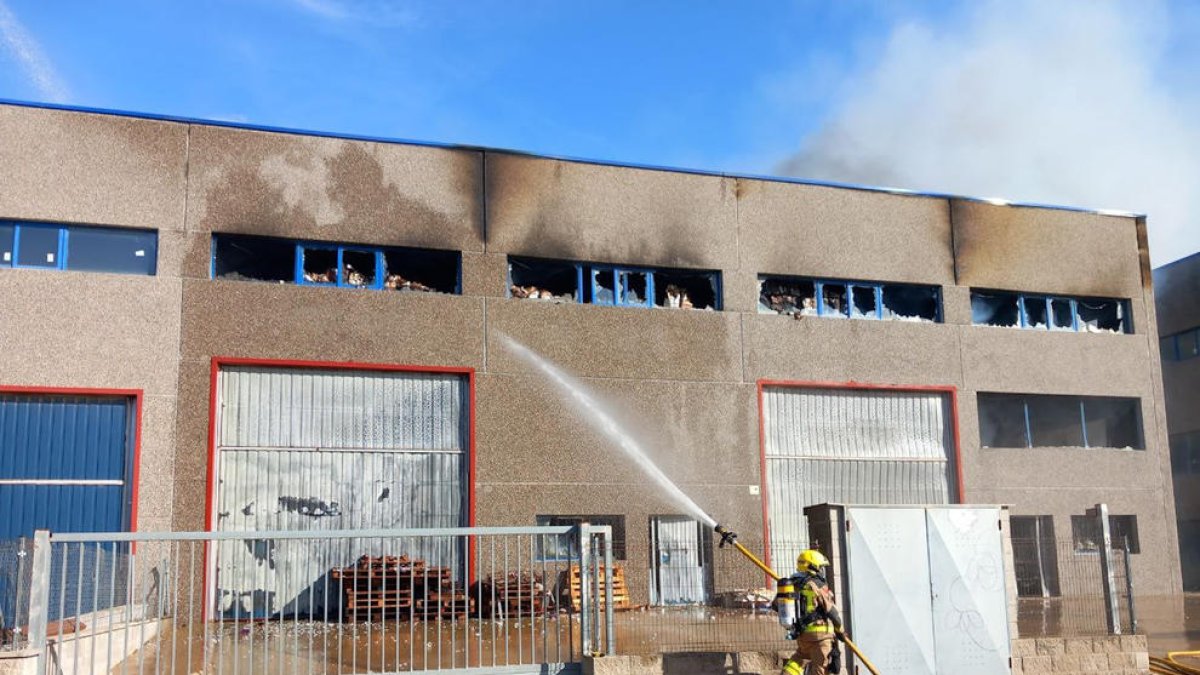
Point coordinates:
pixel 960 491
pixel 137 395
pixel 211 483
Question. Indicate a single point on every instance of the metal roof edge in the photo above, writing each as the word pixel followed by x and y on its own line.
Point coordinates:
pixel 247 126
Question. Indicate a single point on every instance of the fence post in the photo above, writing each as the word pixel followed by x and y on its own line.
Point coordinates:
pixel 1133 622
pixel 39 596
pixel 585 587
pixel 1112 604
pixel 609 620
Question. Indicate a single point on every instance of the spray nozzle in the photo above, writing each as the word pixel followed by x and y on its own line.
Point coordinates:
pixel 728 537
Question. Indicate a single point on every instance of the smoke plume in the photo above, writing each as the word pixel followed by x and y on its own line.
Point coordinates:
pixel 1062 102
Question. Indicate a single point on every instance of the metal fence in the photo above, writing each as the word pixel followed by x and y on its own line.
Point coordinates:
pixel 1066 590
pixel 505 600
pixel 15 555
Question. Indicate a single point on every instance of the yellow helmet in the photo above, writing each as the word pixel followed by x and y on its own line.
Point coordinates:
pixel 811 561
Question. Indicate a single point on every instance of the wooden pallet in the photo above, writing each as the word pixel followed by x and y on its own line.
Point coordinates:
pixel 620 592
pixel 398 587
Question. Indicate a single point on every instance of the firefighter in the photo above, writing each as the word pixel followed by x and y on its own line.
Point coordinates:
pixel 818 621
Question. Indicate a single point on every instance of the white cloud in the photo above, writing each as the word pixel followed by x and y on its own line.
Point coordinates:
pixel 381 13
pixel 1052 102
pixel 28 54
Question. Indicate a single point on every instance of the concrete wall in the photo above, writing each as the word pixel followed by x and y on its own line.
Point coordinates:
pixel 688 379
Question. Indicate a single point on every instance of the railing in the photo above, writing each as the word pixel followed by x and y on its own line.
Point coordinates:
pixel 1065 590
pixel 482 600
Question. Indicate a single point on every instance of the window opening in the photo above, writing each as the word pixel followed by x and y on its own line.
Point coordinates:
pixel 995 309
pixel 6 244
pixel 604 286
pixel 111 250
pixel 320 265
pixel 565 548
pixel 634 288
pixel 1087 535
pixel 1055 421
pixel 685 290
pixel 833 299
pixel 1101 316
pixel 1002 422
pixel 910 303
pixel 1062 314
pixel 1035 556
pixel 422 270
pixel 358 269
pixel 254 259
pixel 37 246
pixel 787 296
pixel 1112 422
pixel 543 280
pixel 864 303
pixel 1035 312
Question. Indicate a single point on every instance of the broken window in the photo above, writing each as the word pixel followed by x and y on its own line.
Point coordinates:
pixel 634 288
pixel 856 299
pixel 1002 421
pixel 989 308
pixel 832 299
pixel 1062 314
pixel 911 303
pixel 1112 422
pixel 1087 534
pixel 604 286
pixel 243 257
pixel 1034 309
pixel 359 268
pixel 1101 316
pixel 564 548
pixel 421 270
pixel 863 303
pixel 787 296
pixel 535 279
pixel 1039 312
pixel 319 265
pixel 1055 421
pixel 685 290
pixel 37 246
pixel 1042 420
pixel 254 259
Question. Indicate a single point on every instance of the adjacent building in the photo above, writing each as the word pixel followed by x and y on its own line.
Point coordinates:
pixel 1177 294
pixel 212 326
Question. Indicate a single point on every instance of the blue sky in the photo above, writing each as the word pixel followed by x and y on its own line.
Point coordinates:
pixel 758 87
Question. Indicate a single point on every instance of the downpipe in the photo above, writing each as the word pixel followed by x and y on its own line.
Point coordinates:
pixel 729 538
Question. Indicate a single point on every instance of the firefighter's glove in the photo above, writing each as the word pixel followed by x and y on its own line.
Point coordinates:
pixel 841 636
pixel 728 537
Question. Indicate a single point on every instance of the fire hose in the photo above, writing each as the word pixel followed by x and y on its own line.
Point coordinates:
pixel 729 538
pixel 1169 666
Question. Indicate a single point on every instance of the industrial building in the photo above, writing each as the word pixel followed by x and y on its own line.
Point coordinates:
pixel 214 326
pixel 1177 296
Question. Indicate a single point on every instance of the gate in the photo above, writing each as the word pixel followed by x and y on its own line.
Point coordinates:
pixel 367 605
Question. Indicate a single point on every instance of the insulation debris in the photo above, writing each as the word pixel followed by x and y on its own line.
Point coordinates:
pixel 535 293
pixel 399 283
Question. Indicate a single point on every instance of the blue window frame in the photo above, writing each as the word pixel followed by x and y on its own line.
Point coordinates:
pixel 50 246
pixel 335 265
pixel 1032 311
pixel 613 285
pixel 841 299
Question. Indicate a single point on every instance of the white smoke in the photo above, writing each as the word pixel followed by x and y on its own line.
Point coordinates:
pixel 1058 102
pixel 29 56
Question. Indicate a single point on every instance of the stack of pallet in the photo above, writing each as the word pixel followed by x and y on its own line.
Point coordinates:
pixel 519 594
pixel 620 591
pixel 394 587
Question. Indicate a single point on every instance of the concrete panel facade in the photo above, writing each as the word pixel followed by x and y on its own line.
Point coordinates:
pixel 686 381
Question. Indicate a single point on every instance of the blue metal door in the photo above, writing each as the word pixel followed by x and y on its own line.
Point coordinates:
pixel 65 466
pixel 65 463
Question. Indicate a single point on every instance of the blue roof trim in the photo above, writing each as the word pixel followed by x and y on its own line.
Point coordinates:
pixel 565 158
